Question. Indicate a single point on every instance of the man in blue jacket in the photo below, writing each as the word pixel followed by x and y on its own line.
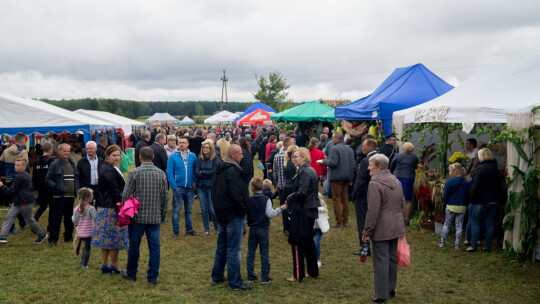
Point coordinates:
pixel 182 180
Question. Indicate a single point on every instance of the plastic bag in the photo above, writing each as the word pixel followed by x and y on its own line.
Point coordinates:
pixel 403 252
pixel 124 163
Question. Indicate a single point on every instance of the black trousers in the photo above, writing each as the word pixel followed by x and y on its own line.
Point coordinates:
pixel 61 207
pixel 86 250
pixel 360 206
pixel 299 252
pixel 44 200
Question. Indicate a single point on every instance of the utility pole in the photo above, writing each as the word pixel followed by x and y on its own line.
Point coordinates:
pixel 224 89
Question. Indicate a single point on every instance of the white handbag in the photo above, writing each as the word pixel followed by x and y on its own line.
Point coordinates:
pixel 322 222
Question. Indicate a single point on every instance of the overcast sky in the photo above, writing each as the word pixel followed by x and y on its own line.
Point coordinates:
pixel 177 50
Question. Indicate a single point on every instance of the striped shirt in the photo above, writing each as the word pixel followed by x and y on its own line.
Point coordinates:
pixel 148 184
pixel 85 222
pixel 278 169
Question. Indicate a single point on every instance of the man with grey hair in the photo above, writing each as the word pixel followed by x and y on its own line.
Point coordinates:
pixel 341 166
pixel 88 167
pixel 145 141
pixel 160 155
pixel 62 178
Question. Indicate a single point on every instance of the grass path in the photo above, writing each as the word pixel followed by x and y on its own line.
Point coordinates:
pixel 39 274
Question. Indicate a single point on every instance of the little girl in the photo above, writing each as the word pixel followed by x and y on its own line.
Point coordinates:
pixel 83 217
pixel 455 201
pixel 317 231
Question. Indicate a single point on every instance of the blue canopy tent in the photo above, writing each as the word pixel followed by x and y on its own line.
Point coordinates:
pixel 29 116
pixel 404 88
pixel 347 111
pixel 254 107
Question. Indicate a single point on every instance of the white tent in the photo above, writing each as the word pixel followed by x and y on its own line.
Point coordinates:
pixel 499 93
pixel 161 118
pixel 187 121
pixel 486 97
pixel 121 122
pixel 27 115
pixel 221 117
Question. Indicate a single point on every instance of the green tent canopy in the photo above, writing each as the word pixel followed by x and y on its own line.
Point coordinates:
pixel 307 112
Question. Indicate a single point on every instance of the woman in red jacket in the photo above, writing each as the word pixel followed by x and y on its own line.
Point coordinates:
pixel 271 145
pixel 316 155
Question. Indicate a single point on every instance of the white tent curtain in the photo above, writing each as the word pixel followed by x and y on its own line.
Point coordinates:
pixel 398 129
pixel 518 122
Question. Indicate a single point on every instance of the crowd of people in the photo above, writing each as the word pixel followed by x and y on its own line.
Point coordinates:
pixel 216 164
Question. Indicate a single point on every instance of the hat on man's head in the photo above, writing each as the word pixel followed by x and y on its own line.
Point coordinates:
pixel 391 136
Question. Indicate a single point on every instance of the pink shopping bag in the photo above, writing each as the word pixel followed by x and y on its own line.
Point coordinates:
pixel 403 252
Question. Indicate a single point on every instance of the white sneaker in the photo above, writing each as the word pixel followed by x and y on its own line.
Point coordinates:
pixel 319 264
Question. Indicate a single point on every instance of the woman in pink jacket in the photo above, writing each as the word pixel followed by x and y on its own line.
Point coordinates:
pixel 385 223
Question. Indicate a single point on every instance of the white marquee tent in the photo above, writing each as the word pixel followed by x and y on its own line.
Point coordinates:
pixel 161 118
pixel 25 115
pixel 504 92
pixel 221 117
pixel 486 97
pixel 121 122
pixel 186 121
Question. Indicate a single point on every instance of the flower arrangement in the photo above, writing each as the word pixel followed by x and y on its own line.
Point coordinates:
pixel 461 158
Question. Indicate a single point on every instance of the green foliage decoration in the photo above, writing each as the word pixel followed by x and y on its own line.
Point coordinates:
pixel 525 201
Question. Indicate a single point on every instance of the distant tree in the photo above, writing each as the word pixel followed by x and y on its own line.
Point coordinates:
pixel 119 112
pixel 199 110
pixel 93 105
pixel 272 90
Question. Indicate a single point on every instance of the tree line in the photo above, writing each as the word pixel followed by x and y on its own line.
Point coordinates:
pixel 135 109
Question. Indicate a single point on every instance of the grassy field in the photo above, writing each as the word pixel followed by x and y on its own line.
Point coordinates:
pixel 40 274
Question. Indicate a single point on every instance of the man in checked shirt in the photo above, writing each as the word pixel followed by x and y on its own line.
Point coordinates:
pixel 148 184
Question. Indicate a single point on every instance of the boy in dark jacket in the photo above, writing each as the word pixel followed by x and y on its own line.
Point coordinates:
pixel 41 166
pixel 21 191
pixel 259 214
pixel 267 190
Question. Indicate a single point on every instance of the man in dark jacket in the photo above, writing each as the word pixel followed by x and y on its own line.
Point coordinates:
pixel 340 165
pixel 388 148
pixel 141 144
pixel 196 142
pixel 102 145
pixel 41 167
pixel 62 178
pixel 359 195
pixel 160 155
pixel 230 199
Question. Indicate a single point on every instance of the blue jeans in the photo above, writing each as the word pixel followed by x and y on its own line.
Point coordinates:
pixel 258 237
pixel 136 231
pixel 318 236
pixel 470 211
pixel 207 209
pixel 180 195
pixel 483 214
pixel 228 252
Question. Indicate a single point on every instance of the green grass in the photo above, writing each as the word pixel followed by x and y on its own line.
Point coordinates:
pixel 38 273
